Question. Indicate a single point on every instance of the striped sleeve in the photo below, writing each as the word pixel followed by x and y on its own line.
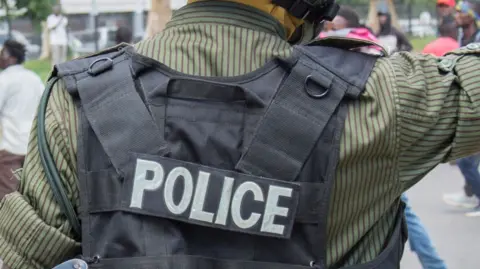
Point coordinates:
pixel 438 108
pixel 33 231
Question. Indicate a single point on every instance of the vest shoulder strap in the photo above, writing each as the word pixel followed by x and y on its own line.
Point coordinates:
pixel 320 79
pixel 70 72
pixel 334 54
pixel 110 101
pixel 77 69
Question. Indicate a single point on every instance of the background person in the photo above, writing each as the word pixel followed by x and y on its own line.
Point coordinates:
pixel 57 26
pixel 389 36
pixel 445 9
pixel 123 35
pixel 446 42
pixel 20 93
pixel 468 20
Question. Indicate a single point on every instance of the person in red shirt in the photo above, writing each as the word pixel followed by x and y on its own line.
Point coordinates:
pixel 445 9
pixel 446 42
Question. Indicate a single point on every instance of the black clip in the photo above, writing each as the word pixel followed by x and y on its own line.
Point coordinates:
pixel 96 69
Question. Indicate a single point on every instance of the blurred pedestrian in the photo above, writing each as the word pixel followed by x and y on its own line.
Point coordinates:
pixel 389 36
pixel 468 19
pixel 446 42
pixel 420 241
pixel 57 26
pixel 123 35
pixel 445 9
pixel 20 93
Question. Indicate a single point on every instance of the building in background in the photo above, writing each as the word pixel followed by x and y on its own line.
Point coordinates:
pixel 111 13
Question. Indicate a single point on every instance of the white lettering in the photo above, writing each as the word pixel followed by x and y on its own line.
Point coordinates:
pixel 237 204
pixel 142 184
pixel 199 199
pixel 272 209
pixel 187 190
pixel 224 206
pixel 192 198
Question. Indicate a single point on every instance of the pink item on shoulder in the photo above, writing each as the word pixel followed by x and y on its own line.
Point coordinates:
pixel 355 33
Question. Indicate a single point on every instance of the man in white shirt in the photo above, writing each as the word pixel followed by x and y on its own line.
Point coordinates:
pixel 20 94
pixel 57 27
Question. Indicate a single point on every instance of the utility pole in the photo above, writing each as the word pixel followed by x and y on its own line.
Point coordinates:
pixel 138 21
pixel 95 23
pixel 7 15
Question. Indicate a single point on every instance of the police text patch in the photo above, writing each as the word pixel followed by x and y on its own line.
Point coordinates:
pixel 212 197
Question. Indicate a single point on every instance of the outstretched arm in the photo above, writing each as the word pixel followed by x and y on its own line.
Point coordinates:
pixel 437 107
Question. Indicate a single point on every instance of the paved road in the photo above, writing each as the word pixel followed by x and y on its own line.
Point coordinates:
pixel 456 237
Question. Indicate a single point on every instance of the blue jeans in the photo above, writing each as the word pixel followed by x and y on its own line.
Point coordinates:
pixel 420 242
pixel 469 168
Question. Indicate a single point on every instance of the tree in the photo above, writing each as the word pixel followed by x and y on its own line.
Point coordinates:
pixel 160 13
pixel 37 10
pixel 8 10
pixel 7 14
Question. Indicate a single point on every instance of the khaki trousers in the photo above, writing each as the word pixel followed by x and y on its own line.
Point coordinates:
pixel 8 164
pixel 59 54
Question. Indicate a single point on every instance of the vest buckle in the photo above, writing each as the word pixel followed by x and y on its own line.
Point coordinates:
pixel 314 265
pixel 99 66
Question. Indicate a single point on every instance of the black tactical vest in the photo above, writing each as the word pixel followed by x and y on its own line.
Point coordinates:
pixel 178 171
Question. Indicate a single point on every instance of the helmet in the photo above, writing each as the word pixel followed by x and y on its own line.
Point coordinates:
pixel 311 11
pixel 306 15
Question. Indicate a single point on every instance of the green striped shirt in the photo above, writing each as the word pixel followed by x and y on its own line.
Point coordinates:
pixel 411 117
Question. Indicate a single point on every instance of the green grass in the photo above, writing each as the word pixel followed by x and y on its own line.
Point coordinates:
pixel 43 67
pixel 419 43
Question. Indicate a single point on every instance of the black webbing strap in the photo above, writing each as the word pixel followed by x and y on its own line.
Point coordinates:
pixel 66 71
pixel 293 122
pixel 118 116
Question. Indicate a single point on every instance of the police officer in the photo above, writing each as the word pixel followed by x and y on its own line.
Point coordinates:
pixel 216 144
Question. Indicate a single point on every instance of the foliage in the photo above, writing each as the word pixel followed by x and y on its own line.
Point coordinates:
pixel 419 43
pixel 37 10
